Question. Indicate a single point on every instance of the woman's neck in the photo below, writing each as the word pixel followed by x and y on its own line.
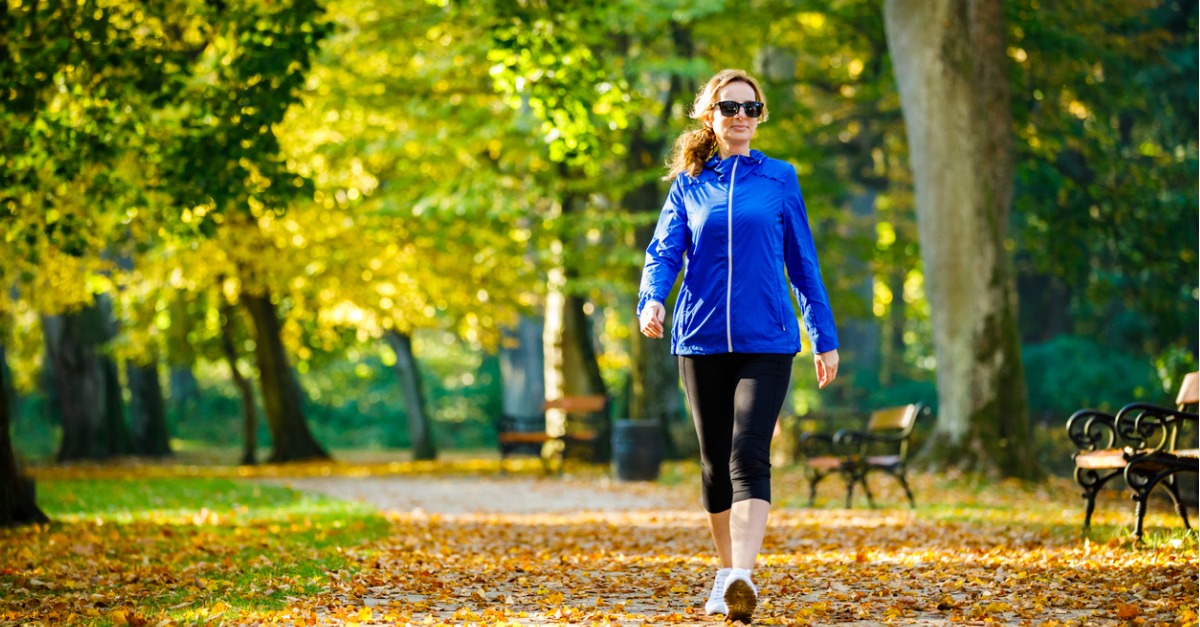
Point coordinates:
pixel 726 152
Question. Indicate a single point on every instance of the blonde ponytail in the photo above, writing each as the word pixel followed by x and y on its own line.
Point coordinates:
pixel 692 149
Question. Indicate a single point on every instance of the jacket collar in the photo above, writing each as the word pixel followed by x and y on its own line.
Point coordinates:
pixel 723 167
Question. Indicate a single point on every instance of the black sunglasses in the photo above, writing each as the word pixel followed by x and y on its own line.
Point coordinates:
pixel 730 108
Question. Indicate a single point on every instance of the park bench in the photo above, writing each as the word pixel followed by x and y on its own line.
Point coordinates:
pixel 1140 444
pixel 528 435
pixel 881 446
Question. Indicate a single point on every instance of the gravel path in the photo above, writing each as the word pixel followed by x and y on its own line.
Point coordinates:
pixel 485 495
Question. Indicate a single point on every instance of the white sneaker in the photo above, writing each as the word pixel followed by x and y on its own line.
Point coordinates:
pixel 741 597
pixel 716 598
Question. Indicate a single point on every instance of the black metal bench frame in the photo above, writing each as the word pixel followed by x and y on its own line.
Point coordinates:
pixel 1138 444
pixel 881 446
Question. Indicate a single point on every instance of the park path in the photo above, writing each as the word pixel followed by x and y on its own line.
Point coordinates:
pixel 547 551
pixel 493 495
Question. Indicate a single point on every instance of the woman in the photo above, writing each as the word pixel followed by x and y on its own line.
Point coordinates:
pixel 739 219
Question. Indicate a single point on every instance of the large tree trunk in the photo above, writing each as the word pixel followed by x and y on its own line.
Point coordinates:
pixel 420 431
pixel 147 410
pixel 571 365
pixel 86 384
pixel 249 414
pixel 949 60
pixel 17 505
pixel 290 438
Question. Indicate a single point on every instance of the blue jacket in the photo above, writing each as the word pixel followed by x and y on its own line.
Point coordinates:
pixel 734 297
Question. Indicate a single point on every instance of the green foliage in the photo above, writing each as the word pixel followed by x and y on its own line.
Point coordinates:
pixel 1070 373
pixel 1106 115
pixel 405 165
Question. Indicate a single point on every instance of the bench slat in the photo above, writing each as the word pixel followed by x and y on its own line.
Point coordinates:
pixel 1106 459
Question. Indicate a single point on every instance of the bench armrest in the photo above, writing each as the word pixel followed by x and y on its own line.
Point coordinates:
pixel 1150 428
pixel 1092 430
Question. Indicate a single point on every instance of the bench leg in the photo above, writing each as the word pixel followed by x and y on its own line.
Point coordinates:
pixel 1180 506
pixel 899 475
pixel 1091 482
pixel 1143 485
pixel 813 479
pixel 866 490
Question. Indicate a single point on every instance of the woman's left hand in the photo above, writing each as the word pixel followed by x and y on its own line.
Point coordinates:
pixel 827 366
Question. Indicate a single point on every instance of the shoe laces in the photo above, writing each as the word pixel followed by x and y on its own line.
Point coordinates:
pixel 718 590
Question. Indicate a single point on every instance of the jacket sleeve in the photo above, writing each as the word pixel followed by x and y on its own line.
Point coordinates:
pixel 800 257
pixel 664 255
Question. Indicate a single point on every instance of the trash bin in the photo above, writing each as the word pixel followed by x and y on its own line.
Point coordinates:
pixel 637 447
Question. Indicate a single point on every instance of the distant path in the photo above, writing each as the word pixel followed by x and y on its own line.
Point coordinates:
pixel 494 495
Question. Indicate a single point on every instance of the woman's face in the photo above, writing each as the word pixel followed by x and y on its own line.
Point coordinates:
pixel 734 132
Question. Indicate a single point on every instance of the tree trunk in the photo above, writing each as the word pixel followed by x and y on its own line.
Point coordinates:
pixel 571 366
pixel 420 431
pixel 184 389
pixel 950 65
pixel 17 505
pixel 521 369
pixel 86 386
pixel 147 411
pixel 859 335
pixel 249 414
pixel 291 439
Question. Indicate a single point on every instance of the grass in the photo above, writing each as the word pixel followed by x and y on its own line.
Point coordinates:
pixel 180 546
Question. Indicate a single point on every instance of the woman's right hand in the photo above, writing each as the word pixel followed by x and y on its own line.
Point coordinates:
pixel 652 318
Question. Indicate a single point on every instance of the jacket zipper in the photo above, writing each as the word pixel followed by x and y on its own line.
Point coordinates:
pixel 729 285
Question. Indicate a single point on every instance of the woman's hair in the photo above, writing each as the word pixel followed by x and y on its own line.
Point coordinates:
pixel 693 147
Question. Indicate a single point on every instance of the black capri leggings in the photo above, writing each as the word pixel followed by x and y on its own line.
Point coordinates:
pixel 735 400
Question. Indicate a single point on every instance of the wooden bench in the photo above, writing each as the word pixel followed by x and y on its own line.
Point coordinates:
pixel 881 446
pixel 1140 444
pixel 528 435
pixel 588 431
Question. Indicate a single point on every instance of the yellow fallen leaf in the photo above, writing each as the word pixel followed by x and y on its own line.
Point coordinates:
pixel 119 618
pixel 1127 611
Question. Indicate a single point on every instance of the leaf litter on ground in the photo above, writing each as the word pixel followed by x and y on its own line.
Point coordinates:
pixel 162 546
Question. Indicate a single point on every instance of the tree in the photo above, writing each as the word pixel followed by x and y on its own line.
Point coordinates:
pixel 17 506
pixel 951 71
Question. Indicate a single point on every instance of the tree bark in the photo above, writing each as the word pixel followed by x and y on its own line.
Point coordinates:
pixel 571 366
pixel 86 384
pixel 950 61
pixel 17 505
pixel 420 427
pixel 291 439
pixel 147 410
pixel 249 413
